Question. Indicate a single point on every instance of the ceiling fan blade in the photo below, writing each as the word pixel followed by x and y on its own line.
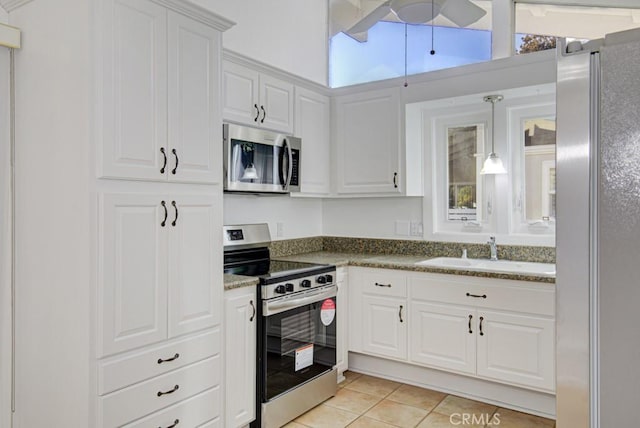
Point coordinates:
pixel 462 12
pixel 371 19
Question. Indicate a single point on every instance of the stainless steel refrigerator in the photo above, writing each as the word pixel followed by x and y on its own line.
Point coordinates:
pixel 598 233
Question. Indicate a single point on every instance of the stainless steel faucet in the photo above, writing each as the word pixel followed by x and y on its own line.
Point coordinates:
pixel 493 248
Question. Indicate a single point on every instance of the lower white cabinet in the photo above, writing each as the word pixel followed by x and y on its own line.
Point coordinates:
pixel 443 336
pixel 240 356
pixel 342 345
pixel 494 329
pixel 517 348
pixel 384 328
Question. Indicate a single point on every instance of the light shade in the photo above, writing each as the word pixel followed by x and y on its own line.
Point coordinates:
pixel 250 173
pixel 493 165
pixel 415 11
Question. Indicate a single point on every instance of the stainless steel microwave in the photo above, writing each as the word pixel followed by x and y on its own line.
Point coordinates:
pixel 260 161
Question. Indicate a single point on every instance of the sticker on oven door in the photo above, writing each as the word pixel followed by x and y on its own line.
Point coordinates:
pixel 328 312
pixel 304 357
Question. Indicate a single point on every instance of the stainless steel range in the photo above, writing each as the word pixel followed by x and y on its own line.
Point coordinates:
pixel 296 346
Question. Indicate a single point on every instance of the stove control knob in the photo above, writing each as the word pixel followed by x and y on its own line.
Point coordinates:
pixel 329 278
pixel 305 283
pixel 289 287
pixel 321 279
pixel 280 289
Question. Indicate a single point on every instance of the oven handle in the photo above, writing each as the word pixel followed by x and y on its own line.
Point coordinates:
pixel 272 308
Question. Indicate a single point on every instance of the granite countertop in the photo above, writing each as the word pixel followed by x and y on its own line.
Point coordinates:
pixel 238 281
pixel 400 262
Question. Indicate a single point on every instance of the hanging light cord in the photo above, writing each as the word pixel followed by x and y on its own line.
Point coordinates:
pixel 433 19
pixel 405 55
pixel 493 115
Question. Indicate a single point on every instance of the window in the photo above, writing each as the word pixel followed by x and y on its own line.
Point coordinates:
pixel 462 146
pixel 382 55
pixel 533 142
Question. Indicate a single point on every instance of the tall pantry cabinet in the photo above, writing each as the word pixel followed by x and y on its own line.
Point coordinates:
pixel 118 300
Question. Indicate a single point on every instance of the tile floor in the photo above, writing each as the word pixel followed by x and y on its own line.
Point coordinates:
pixel 368 402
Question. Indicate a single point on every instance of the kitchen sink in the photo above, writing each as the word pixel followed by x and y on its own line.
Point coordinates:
pixel 498 266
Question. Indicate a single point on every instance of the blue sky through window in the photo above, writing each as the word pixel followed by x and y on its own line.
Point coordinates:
pixel 382 56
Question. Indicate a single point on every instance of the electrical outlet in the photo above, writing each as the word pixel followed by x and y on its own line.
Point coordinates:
pixel 279 230
pixel 402 228
pixel 416 228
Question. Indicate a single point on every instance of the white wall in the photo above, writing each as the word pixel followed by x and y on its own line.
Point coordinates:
pixel 5 240
pixel 53 265
pixel 300 217
pixel 370 217
pixel 288 34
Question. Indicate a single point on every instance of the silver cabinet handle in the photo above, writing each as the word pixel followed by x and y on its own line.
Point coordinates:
pixel 400 314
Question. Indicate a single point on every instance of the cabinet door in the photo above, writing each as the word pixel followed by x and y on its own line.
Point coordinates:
pixel 134 78
pixel 368 138
pixel 240 94
pixel 517 349
pixel 342 346
pixel 133 283
pixel 384 326
pixel 195 132
pixel 195 263
pixel 240 350
pixel 443 336
pixel 312 124
pixel 276 104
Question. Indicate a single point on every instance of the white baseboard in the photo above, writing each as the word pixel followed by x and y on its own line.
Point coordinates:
pixel 506 396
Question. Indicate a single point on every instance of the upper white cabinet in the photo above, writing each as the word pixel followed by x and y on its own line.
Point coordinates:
pixel 256 99
pixel 368 142
pixel 161 273
pixel 160 91
pixel 312 124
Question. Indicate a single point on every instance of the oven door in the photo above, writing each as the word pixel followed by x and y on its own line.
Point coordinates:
pixel 298 340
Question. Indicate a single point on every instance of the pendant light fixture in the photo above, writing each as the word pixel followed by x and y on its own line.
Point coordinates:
pixel 493 164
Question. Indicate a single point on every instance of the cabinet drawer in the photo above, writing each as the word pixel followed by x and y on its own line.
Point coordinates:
pixel 515 296
pixel 129 404
pixel 192 412
pixel 383 282
pixel 144 364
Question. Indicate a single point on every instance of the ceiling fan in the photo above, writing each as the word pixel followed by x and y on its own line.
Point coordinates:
pixel 460 12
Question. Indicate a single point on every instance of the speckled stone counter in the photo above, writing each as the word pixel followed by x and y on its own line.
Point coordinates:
pixel 400 262
pixel 238 281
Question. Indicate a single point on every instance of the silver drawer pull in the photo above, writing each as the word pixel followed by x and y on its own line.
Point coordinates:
pixel 176 422
pixel 175 357
pixel 383 285
pixel 171 391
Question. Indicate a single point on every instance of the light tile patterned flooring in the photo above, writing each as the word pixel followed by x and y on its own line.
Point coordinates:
pixel 368 402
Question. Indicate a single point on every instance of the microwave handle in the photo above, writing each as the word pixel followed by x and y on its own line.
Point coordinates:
pixel 290 172
pixel 285 175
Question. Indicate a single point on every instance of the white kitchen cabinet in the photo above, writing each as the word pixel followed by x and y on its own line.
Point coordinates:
pixel 159 123
pixel 369 142
pixel 256 99
pixel 124 291
pixel 240 356
pixel 342 341
pixel 378 306
pixel 494 329
pixel 161 272
pixel 517 349
pixel 312 124
pixel 443 336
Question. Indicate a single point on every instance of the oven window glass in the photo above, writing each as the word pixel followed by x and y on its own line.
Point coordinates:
pixel 255 163
pixel 299 345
